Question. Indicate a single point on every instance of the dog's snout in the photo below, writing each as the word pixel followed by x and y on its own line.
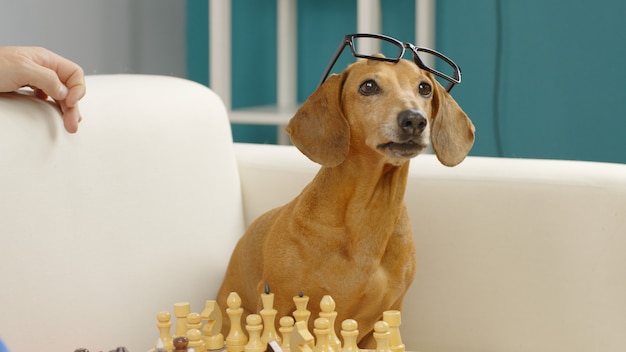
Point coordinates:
pixel 412 121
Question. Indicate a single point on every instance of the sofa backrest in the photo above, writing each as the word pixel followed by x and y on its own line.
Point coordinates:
pixel 512 254
pixel 103 229
pixel 518 255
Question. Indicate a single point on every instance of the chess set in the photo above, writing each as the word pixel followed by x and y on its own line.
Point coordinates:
pixel 201 332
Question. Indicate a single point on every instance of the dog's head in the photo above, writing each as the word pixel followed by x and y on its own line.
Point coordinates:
pixel 393 110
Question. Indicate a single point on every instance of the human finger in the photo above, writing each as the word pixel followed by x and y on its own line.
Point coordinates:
pixel 71 116
pixel 69 73
pixel 44 80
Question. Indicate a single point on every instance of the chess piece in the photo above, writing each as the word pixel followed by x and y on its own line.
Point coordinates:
pixel 212 316
pixel 349 332
pixel 181 311
pixel 268 313
pixel 254 327
pixel 301 339
pixel 321 331
pixel 393 318
pixel 236 339
pixel 195 339
pixel 286 329
pixel 327 310
pixel 193 321
pixel 381 335
pixel 180 343
pixel 301 313
pixel 164 324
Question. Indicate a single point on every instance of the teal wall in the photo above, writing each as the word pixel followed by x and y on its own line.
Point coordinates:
pixel 541 79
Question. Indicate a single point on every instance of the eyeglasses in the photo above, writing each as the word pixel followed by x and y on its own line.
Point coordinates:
pixel 394 50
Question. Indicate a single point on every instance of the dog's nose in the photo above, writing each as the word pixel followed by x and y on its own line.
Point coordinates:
pixel 412 121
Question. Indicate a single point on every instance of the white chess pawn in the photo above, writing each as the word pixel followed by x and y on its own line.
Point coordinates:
pixel 195 340
pixel 286 329
pixel 193 321
pixel 349 332
pixel 381 335
pixel 164 324
pixel 321 331
pixel 254 327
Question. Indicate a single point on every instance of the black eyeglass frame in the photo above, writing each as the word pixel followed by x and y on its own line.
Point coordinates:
pixel 348 39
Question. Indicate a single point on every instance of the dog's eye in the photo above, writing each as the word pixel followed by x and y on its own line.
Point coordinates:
pixel 425 89
pixel 369 87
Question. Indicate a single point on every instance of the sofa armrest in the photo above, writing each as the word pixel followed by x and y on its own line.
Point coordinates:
pixel 103 229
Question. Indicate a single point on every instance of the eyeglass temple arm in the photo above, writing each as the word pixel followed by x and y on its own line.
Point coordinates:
pixel 338 52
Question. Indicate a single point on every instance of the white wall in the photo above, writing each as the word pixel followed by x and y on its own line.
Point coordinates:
pixel 103 36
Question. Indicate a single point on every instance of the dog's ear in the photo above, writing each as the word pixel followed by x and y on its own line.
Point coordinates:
pixel 452 132
pixel 319 128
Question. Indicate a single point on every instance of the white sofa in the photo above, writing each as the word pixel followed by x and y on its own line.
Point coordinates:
pixel 140 209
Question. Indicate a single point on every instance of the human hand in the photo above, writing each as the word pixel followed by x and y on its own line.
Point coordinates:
pixel 48 74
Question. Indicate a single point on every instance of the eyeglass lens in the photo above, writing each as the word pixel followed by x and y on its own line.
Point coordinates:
pixel 366 46
pixel 438 64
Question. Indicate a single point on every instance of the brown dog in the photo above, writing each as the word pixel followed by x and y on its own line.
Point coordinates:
pixel 348 234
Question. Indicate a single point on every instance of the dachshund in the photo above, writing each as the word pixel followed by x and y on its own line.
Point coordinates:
pixel 348 234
